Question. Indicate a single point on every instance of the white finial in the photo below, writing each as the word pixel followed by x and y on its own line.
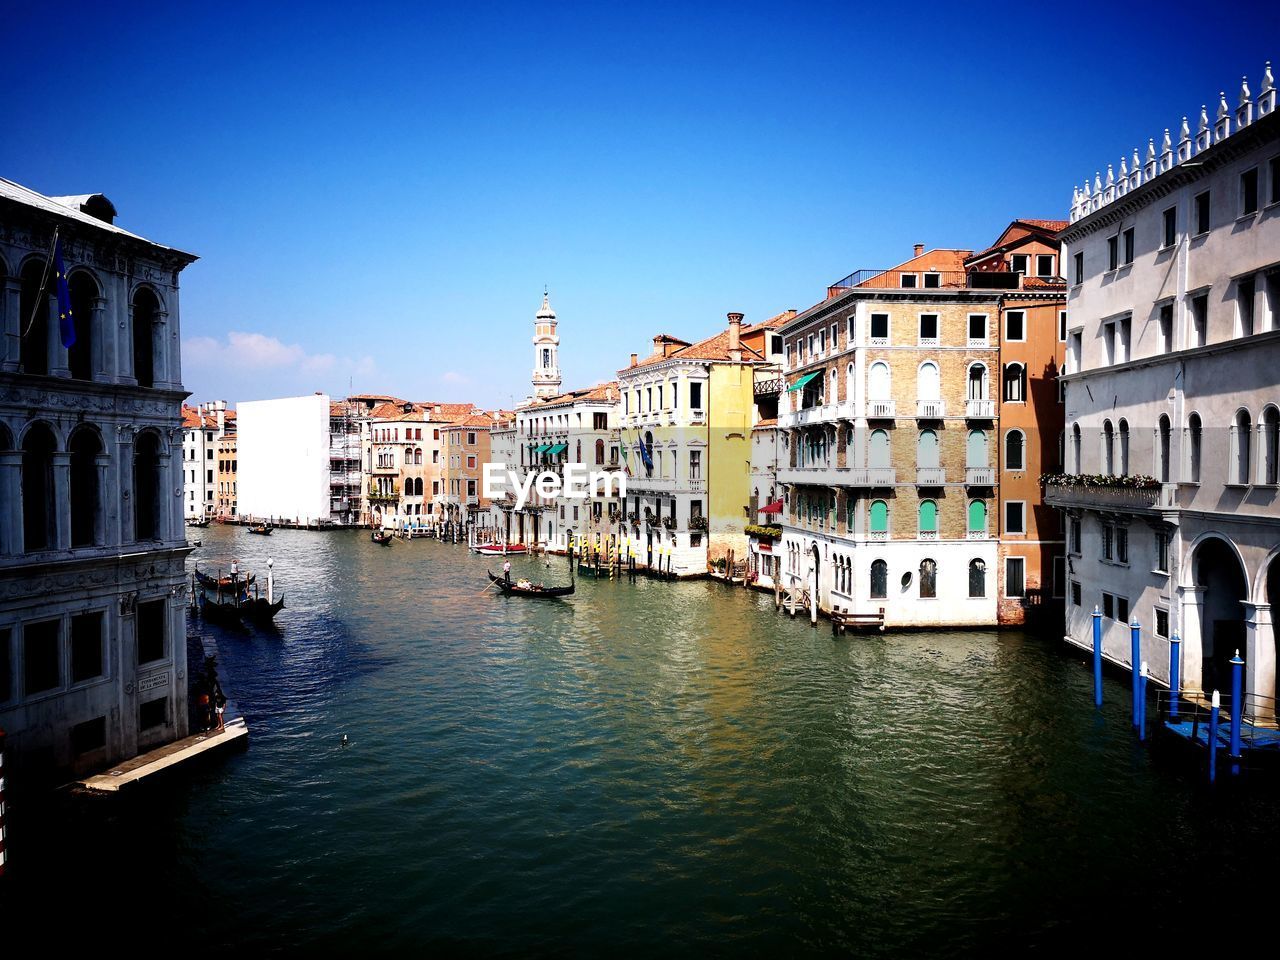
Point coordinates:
pixel 1097 181
pixel 1085 194
pixel 1166 145
pixel 1124 169
pixel 1185 132
pixel 1223 109
pixel 1268 81
pixel 1245 95
pixel 1204 117
pixel 1075 195
pixel 1137 164
pixel 1111 177
pixel 1151 149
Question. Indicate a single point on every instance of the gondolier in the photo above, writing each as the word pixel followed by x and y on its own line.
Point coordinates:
pixel 506 570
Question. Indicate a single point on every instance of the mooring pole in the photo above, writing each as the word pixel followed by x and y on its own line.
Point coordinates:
pixel 3 855
pixel 1135 651
pixel 1097 657
pixel 1142 702
pixel 1213 737
pixel 1175 665
pixel 271 582
pixel 1237 708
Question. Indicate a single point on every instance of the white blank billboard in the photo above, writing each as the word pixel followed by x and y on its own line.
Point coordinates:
pixel 282 449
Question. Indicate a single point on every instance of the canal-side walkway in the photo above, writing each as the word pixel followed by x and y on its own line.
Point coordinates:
pixel 137 769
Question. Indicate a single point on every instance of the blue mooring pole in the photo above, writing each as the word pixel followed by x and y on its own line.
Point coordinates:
pixel 1237 707
pixel 1135 651
pixel 1213 737
pixel 1175 665
pixel 1142 702
pixel 1097 657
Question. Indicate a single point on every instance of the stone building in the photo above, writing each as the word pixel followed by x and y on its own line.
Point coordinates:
pixel 225 505
pixel 1173 400
pixel 93 664
pixel 202 427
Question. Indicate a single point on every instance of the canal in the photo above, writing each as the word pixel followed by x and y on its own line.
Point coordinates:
pixel 645 767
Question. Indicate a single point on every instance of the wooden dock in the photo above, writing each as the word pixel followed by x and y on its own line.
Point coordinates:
pixel 139 768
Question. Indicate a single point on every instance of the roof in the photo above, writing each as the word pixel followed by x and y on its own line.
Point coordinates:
pixel 943 259
pixel 73 208
pixel 715 347
pixel 767 422
pixel 1020 232
pixel 472 421
pixel 601 392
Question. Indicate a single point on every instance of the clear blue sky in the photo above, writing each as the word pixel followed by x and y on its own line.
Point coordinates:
pixel 378 193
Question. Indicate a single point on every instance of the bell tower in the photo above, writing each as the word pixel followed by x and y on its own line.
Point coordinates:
pixel 546 351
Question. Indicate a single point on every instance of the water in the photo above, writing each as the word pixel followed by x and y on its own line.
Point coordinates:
pixel 668 767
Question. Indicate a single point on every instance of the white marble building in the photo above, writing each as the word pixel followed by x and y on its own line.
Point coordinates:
pixel 93 661
pixel 1174 372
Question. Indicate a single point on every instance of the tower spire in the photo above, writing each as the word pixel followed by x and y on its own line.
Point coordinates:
pixel 546 350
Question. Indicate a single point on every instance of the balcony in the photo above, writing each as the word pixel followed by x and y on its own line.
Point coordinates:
pixel 881 409
pixel 980 409
pixel 1096 496
pixel 930 476
pixel 642 484
pixel 698 416
pixel 847 410
pixel 931 409
pixel 825 476
pixel 901 280
pixel 769 385
pixel 980 476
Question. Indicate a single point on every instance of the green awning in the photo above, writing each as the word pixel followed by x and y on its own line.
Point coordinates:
pixel 558 448
pixel 542 448
pixel 799 384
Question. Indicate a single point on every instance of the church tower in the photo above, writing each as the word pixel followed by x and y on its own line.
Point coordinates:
pixel 546 352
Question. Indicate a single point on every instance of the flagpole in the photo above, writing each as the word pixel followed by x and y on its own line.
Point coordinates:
pixel 44 277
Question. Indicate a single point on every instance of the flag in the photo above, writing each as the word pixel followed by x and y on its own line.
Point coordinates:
pixel 66 322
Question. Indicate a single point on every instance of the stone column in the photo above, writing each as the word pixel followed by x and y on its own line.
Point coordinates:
pixel 1192 601
pixel 103 359
pixel 125 372
pixel 11 497
pixel 62 499
pixel 164 352
pixel 124 476
pixel 59 364
pixel 1260 661
pixel 11 311
pixel 101 519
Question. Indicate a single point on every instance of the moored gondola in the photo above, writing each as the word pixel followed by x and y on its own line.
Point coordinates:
pixel 223 583
pixel 515 588
pixel 259 610
pixel 261 530
pixel 382 537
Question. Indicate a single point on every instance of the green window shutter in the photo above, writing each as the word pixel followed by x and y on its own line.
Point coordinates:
pixel 978 515
pixel 928 516
pixel 879 517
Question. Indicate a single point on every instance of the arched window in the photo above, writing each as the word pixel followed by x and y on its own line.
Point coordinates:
pixel 978 517
pixel 878 381
pixel 878 449
pixel 977 578
pixel 1015 383
pixel 928 517
pixel 833 393
pixel 1015 450
pixel 1269 445
pixel 648 459
pixel 849 384
pixel 927 381
pixel 879 580
pixel 1124 446
pixel 977 383
pixel 39 498
pixel 417 456
pixel 146 311
pixel 146 487
pixel 600 451
pixel 1193 448
pixel 1241 432
pixel 927 449
pixel 1163 441
pixel 34 303
pixel 879 518
pixel 1075 448
pixel 85 495
pixel 976 449
pixel 928 579
pixel 1108 448
pixel 80 354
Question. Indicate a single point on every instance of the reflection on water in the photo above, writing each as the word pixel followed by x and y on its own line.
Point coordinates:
pixel 645 766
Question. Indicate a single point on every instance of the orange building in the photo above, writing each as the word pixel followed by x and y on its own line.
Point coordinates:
pixel 465 447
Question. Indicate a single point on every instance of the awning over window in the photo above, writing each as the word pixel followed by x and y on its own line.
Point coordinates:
pixel 775 507
pixel 541 448
pixel 799 384
pixel 557 448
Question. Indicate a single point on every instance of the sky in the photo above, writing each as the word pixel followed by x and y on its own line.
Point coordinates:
pixel 378 193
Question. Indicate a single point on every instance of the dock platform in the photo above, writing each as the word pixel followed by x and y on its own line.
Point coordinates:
pixel 135 770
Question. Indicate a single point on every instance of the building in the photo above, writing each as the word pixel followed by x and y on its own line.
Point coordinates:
pixel 465 452
pixel 93 660
pixel 283 448
pixel 202 427
pixel 546 352
pixel 686 421
pixel 346 480
pixel 225 505
pixel 1172 446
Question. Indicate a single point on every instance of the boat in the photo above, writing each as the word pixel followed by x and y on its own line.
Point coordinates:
pixel 222 583
pixel 261 529
pixel 219 610
pixel 517 588
pixel 259 610
pixel 198 522
pixel 382 537
pixel 499 549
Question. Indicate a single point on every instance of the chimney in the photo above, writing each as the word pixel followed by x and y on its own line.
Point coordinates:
pixel 735 335
pixel 633 359
pixel 659 349
pixel 919 250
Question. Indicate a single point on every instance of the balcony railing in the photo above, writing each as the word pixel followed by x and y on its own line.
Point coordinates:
pixel 927 535
pixel 980 409
pixel 846 409
pixel 839 476
pixel 1110 497
pixel 931 409
pixel 698 416
pixel 930 476
pixel 902 280
pixel 881 409
pixel 980 476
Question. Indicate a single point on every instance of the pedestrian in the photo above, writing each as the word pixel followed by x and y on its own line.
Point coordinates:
pixel 506 571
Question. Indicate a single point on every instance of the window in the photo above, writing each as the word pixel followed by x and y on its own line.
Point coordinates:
pixel 1113 252
pixel 1062 326
pixel 977 578
pixel 879 328
pixel 1200 319
pixel 907 280
pixel 879 518
pixel 1079 268
pixel 1122 545
pixel 1045 264
pixel 471 439
pixel 38 504
pixel 1122 609
pixel 1015 577
pixel 1170 223
pixel 1075 536
pixel 1164 439
pixel 1124 448
pixel 1015 516
pixel 695 396
pixel 878 382
pixel 928 328
pixel 1249 192
pixel 153 713
pixel 85 449
pixel 1164 333
pixel 40 657
pixel 1015 450
pixel 1108 606
pixel 1241 432
pixel 1015 325
pixel 978 517
pixel 977 328
pixel 1015 383
pixel 1269 446
pixel 1162 551
pixel 88 736
pixel 1162 622
pixel 975 454
pixel 6 667
pixel 471 463
pixel 928 580
pixel 1018 263
pixel 86 646
pixel 1202 213
pixel 150 626
pixel 1128 246
pixel 927 450
pixel 1075 593
pixel 1108 542
pixel 879 580
pixel 932 280
pixel 928 518
pixel 146 488
pixel 1245 289
pixel 695 464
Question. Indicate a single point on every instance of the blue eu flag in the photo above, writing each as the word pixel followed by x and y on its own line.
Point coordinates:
pixel 66 323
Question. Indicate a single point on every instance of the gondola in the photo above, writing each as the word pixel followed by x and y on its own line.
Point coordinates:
pixel 223 583
pixel 261 530
pixel 537 593
pixel 259 610
pixel 220 611
pixel 201 523
pixel 382 537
